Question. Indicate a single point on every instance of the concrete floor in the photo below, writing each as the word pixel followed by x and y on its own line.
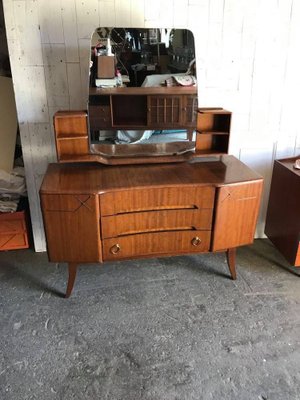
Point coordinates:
pixel 158 329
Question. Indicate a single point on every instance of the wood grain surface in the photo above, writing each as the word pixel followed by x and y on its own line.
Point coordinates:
pixel 90 178
pixel 137 222
pixel 72 227
pixel 236 213
pixel 193 197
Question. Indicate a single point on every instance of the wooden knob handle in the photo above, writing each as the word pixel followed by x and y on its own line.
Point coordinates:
pixel 196 241
pixel 115 249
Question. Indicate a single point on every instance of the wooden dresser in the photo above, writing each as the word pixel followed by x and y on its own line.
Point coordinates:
pixel 283 216
pixel 97 213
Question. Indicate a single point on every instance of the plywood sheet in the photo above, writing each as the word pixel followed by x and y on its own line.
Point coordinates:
pixel 8 124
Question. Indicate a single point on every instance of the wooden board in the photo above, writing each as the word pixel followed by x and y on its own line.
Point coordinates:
pixel 9 123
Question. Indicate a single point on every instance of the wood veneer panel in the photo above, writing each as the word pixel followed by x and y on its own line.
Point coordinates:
pixel 236 215
pixel 129 223
pixel 161 198
pixel 72 228
pixel 158 243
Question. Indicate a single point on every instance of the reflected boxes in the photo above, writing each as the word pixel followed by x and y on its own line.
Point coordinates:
pixel 105 67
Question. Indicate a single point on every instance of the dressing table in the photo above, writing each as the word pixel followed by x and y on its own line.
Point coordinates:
pixel 105 202
pixel 97 213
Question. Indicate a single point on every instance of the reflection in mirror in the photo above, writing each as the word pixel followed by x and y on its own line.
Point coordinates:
pixel 142 91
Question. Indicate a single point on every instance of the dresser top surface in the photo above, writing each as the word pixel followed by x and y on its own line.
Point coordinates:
pixel 91 178
pixel 289 164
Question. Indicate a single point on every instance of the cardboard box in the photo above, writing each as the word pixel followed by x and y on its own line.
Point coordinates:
pixel 105 67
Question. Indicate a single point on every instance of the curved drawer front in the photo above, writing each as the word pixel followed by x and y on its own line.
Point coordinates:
pixel 156 199
pixel 149 221
pixel 158 243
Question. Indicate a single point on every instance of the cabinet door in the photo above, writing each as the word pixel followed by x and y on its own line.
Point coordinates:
pixel 164 111
pixel 72 227
pixel 190 107
pixel 236 213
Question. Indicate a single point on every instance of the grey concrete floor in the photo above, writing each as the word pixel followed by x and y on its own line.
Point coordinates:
pixel 157 329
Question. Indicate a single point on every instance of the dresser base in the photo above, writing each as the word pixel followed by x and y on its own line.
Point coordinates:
pixel 95 214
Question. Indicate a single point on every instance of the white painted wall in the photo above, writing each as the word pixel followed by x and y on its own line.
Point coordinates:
pixel 247 61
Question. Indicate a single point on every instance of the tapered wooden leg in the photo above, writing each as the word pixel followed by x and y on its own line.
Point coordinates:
pixel 231 253
pixel 72 275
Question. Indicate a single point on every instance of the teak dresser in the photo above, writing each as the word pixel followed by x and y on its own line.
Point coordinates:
pixel 97 213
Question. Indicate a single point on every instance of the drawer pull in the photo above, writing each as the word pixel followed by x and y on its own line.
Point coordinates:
pixel 196 241
pixel 115 249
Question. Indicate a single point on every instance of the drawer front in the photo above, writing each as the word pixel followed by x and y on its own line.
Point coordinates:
pixel 163 220
pixel 96 111
pixel 158 243
pixel 191 197
pixel 99 116
pixel 100 123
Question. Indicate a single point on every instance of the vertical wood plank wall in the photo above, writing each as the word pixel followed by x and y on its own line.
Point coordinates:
pixel 247 61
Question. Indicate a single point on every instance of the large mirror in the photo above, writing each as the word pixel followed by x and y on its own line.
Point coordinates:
pixel 143 92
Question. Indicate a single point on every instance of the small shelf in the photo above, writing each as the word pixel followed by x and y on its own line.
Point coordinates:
pixel 122 111
pixel 213 131
pixel 213 120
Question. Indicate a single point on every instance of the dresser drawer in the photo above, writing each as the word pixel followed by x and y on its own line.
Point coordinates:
pixel 149 221
pixel 158 243
pixel 99 117
pixel 96 111
pixel 189 197
pixel 100 123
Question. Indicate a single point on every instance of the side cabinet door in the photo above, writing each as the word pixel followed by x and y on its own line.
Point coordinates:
pixel 190 111
pixel 236 215
pixel 72 227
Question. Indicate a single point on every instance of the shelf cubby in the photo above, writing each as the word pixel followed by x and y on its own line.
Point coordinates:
pixel 213 130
